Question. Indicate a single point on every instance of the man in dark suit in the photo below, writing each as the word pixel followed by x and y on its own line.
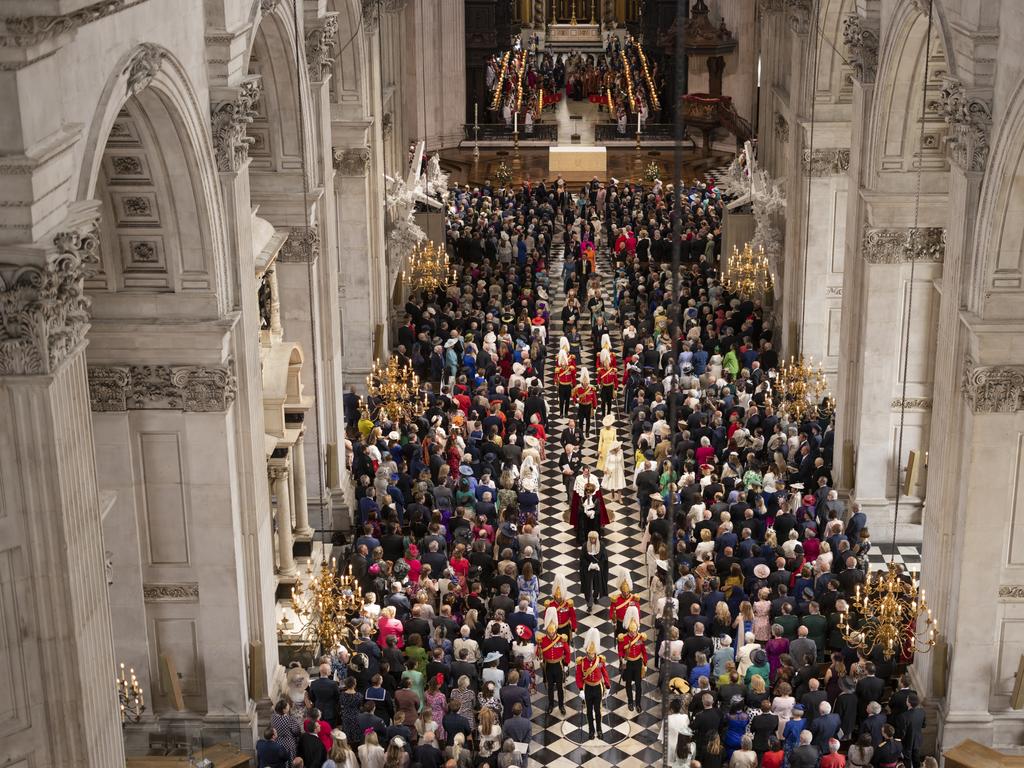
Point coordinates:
pixel 310 748
pixel 698 643
pixel 812 700
pixel 427 754
pixel 416 625
pixel 270 753
pixel 806 755
pixel 326 695
pixel 824 727
pixel 873 723
pixel 463 665
pixel 913 726
pixel 705 724
pixel 899 705
pixel 512 693
pixel 869 688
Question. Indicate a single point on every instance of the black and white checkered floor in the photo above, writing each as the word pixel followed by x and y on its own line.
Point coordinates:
pixel 631 740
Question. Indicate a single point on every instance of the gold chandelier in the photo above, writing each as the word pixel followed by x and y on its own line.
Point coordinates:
pixel 801 386
pixel 129 696
pixel 427 269
pixel 394 391
pixel 886 612
pixel 748 275
pixel 325 607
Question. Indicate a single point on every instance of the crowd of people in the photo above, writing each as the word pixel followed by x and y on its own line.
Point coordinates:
pixel 619 71
pixel 751 557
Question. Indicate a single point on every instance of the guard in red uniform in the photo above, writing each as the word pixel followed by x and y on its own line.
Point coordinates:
pixel 633 657
pixel 621 601
pixel 565 376
pixel 585 397
pixel 562 604
pixel 607 375
pixel 592 680
pixel 555 654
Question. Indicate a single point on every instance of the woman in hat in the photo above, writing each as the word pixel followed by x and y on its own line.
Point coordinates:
pixel 605 439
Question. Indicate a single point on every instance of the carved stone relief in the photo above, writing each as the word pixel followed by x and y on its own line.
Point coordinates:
pixel 230 119
pixel 826 162
pixel 994 389
pixel 970 122
pixel 200 389
pixel 895 246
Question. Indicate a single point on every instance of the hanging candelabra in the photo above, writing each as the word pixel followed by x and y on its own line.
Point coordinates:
pixel 325 607
pixel 130 698
pixel 886 613
pixel 801 385
pixel 427 269
pixel 395 391
pixel 748 274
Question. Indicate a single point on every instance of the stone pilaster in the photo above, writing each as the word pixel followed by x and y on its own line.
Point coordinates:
pixel 285 538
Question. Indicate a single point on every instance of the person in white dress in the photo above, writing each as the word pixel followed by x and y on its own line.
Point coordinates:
pixel 614 479
pixel 680 750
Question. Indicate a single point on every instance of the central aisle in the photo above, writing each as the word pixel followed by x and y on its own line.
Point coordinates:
pixel 630 739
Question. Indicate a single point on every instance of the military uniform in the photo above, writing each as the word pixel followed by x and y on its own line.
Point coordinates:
pixel 556 655
pixel 592 678
pixel 633 665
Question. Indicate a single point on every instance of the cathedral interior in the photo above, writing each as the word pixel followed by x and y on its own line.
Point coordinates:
pixel 350 348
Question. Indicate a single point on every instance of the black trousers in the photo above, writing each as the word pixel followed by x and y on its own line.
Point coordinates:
pixel 564 398
pixel 592 586
pixel 607 398
pixel 554 677
pixel 592 695
pixel 583 414
pixel 632 675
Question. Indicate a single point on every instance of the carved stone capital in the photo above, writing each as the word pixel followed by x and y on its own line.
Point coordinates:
pixel 276 472
pixel 911 403
pixel 320 44
pixel 31 30
pixel 199 389
pixel 826 162
pixel 170 593
pixel 798 16
pixel 770 6
pixel 352 162
pixel 230 118
pixel 970 123
pixel 862 43
pixel 394 6
pixel 301 247
pixel 143 66
pixel 994 389
pixel 896 246
pixel 370 10
pixel 44 312
pixel 781 128
pixel 387 125
pixel 268 6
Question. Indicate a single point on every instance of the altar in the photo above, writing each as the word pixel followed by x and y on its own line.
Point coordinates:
pixel 578 163
pixel 573 35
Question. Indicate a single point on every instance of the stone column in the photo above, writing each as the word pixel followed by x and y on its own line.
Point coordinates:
pixel 285 539
pixel 53 586
pixel 301 504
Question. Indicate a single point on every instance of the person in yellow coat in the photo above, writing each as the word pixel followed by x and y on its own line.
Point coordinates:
pixel 605 440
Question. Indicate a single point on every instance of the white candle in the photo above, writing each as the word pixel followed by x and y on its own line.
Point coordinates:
pixel 638 122
pixel 515 122
pixel 476 111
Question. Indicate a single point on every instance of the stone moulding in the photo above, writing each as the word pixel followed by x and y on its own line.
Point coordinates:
pixel 970 122
pixel 200 389
pixel 351 162
pixel 32 30
pixel 170 593
pixel 826 162
pixel 44 312
pixel 862 44
pixel 320 44
pixel 896 246
pixel 301 247
pixel 229 121
pixel 994 389
pixel 911 403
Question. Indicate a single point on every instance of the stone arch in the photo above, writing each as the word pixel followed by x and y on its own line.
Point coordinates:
pixel 995 274
pixel 895 149
pixel 834 84
pixel 350 86
pixel 277 129
pixel 149 160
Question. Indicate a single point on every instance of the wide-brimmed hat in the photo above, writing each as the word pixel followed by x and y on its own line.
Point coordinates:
pixel 465 470
pixel 608 420
pixel 761 571
pixel 492 657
